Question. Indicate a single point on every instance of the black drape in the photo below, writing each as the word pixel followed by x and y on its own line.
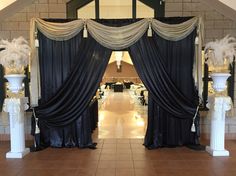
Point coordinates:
pixel 165 67
pixel 70 72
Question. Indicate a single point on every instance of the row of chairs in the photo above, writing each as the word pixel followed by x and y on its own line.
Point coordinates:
pixel 141 93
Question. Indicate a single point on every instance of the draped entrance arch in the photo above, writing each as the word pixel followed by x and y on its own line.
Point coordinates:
pixel 69 63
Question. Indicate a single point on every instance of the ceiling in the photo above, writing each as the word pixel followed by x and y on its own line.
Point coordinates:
pixel 225 7
pixel 125 58
pixel 5 3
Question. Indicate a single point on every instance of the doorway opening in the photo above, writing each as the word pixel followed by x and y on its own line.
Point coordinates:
pixel 122 100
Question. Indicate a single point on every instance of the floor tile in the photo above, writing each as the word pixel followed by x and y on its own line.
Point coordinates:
pixel 106 172
pixel 125 172
pixel 124 164
pixel 119 156
pixel 107 164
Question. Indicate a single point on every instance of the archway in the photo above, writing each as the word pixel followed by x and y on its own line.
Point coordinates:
pixel 122 106
pixel 173 100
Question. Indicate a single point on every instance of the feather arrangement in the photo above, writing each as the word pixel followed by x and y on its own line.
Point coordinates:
pixel 15 54
pixel 220 52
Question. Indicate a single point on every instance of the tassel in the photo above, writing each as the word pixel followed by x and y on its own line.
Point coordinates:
pixel 161 2
pixel 36 41
pixel 37 130
pixel 196 40
pixel 149 33
pixel 193 128
pixel 85 32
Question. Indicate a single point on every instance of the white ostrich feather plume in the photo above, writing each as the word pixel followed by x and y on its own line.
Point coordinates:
pixel 15 54
pixel 221 52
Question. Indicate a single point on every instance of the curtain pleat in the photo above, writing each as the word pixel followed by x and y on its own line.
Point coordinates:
pixel 165 68
pixel 70 73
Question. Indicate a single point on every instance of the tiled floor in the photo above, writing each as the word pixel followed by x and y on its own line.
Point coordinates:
pixel 119 157
pixel 121 115
pixel 119 152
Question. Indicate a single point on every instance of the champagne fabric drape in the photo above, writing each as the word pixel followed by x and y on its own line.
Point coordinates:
pixel 115 38
pixel 175 32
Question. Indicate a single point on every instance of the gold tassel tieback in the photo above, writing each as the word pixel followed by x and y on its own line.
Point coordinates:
pixel 85 32
pixel 149 32
pixel 36 41
pixel 193 128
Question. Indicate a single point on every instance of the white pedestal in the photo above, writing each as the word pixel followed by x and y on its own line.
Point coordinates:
pixel 218 106
pixel 217 152
pixel 16 107
pixel 17 154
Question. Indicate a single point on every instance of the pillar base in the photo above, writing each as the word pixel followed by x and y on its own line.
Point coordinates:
pixel 17 154
pixel 217 152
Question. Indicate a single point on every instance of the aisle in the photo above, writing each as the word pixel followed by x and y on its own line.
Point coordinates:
pixel 122 116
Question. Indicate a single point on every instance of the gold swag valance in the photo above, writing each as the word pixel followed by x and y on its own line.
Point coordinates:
pixel 116 38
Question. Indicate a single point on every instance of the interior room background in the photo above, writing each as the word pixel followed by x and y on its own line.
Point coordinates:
pixel 217 25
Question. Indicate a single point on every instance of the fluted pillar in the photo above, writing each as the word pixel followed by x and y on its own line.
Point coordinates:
pixel 16 107
pixel 217 108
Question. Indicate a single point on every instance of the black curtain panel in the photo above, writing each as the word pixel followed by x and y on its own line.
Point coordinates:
pixel 165 67
pixel 70 72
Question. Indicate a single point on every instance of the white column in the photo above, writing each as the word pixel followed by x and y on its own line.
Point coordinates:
pixel 16 107
pixel 218 106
